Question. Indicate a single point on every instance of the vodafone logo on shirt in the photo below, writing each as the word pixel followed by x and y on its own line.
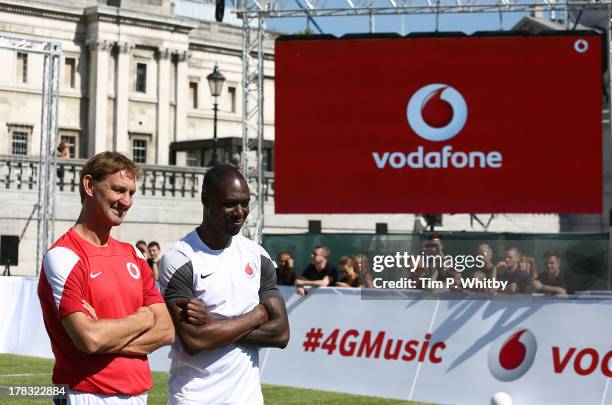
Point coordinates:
pixel 249 270
pixel 511 357
pixel 133 270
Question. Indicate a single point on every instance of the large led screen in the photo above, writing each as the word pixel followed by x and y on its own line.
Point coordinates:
pixel 479 124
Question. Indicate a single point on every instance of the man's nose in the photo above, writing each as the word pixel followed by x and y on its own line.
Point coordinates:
pixel 126 200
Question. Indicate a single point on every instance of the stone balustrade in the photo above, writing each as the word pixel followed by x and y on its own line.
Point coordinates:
pixel 21 173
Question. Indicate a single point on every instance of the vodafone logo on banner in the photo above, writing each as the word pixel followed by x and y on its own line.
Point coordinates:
pixel 437 112
pixel 511 357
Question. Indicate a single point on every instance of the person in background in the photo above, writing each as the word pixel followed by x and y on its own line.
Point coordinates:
pixel 528 265
pixel 509 269
pixel 285 273
pixel 235 160
pixel 63 152
pixel 350 277
pixel 552 281
pixel 484 250
pixel 319 273
pixel 142 247
pixel 487 271
pixel 361 265
pixel 154 257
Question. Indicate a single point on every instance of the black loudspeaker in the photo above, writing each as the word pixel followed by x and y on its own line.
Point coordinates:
pixel 382 228
pixel 9 250
pixel 314 226
pixel 219 10
pixel 433 219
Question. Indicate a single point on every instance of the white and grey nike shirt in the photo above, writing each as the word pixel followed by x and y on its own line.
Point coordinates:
pixel 231 282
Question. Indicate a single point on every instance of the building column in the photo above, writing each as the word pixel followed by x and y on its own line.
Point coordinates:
pixel 98 95
pixel 121 139
pixel 182 95
pixel 162 146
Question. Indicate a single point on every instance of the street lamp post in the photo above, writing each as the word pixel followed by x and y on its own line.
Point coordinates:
pixel 215 83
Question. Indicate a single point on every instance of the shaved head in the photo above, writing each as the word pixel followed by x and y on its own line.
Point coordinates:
pixel 226 197
pixel 217 177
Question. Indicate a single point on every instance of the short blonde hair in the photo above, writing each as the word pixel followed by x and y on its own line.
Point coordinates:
pixel 104 164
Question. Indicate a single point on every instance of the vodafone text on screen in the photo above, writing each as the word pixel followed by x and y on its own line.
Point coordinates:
pixel 438 160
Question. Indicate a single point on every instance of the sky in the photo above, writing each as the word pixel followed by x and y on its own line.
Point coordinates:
pixel 467 23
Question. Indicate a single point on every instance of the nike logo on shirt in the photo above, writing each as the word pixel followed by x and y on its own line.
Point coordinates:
pixel 202 276
pixel 94 275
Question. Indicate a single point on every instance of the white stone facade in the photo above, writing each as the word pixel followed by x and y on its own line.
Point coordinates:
pixel 132 78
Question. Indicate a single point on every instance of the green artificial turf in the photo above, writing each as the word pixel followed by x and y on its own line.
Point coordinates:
pixel 23 370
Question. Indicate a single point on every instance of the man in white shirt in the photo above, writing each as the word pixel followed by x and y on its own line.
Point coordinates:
pixel 221 292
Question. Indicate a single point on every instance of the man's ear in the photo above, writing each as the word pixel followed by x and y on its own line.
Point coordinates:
pixel 88 185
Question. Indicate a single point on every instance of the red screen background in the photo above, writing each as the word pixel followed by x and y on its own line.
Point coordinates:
pixel 534 99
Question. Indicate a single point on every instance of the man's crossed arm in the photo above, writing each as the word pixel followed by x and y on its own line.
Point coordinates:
pixel 137 334
pixel 266 325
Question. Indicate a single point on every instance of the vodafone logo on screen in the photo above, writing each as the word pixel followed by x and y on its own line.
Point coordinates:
pixel 437 112
pixel 511 357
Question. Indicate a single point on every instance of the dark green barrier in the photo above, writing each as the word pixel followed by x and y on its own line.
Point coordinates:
pixel 585 256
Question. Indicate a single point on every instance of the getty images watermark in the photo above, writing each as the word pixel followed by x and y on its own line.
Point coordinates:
pixel 467 267
pixel 404 261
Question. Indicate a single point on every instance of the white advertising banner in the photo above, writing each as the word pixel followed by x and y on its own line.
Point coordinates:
pixel 448 351
pixel 443 351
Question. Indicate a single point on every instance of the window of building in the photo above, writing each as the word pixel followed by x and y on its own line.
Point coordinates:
pixel 193 94
pixel 139 150
pixel 19 143
pixel 193 158
pixel 70 72
pixel 22 67
pixel 20 138
pixel 141 77
pixel 232 98
pixel 199 153
pixel 72 139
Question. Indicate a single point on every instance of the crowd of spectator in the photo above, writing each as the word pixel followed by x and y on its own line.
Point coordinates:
pixel 351 272
pixel 519 269
pixel 515 266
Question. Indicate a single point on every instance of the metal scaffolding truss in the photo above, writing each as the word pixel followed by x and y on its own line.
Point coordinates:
pixel 252 117
pixel 328 8
pixel 254 12
pixel 51 52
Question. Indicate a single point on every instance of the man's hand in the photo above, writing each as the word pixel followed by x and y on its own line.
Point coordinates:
pixel 275 331
pixel 194 311
pixel 147 315
pixel 161 334
pixel 90 309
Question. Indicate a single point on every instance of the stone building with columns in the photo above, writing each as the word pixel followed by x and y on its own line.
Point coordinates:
pixel 132 79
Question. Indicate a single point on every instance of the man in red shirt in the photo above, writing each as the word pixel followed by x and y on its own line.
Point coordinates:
pixel 101 309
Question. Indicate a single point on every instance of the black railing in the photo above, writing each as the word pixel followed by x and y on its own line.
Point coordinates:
pixel 21 173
